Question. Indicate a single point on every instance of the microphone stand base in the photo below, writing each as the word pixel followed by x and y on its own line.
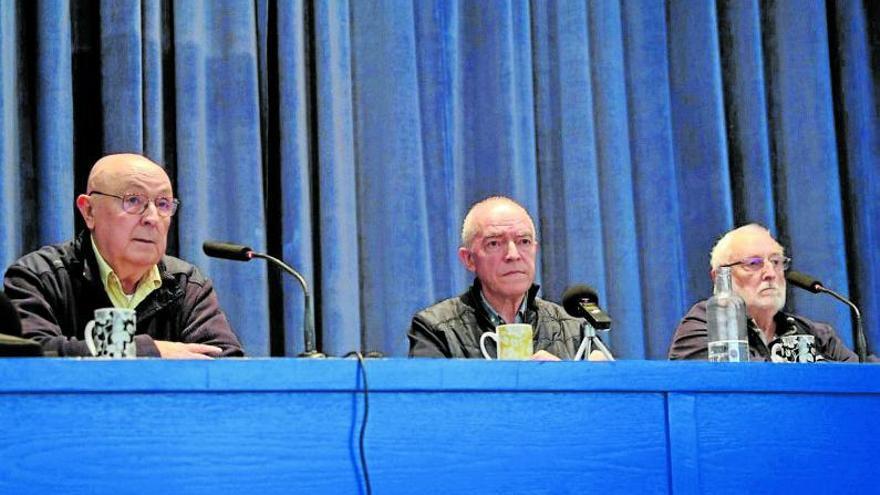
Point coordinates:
pixel 312 355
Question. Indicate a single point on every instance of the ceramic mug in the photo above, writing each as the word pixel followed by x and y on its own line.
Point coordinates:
pixel 111 333
pixel 514 341
pixel 794 349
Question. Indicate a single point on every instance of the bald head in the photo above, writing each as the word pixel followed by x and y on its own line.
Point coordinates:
pixel 114 169
pixel 471 225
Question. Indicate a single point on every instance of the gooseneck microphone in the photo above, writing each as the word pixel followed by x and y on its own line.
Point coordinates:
pixel 806 282
pixel 582 301
pixel 237 252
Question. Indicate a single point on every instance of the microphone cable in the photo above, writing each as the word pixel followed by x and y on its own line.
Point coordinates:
pixel 363 429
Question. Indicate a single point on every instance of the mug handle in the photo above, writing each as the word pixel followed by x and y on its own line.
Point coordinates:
pixel 491 335
pixel 90 341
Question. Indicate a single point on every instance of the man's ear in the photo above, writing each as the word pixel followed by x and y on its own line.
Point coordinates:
pixel 84 205
pixel 712 274
pixel 467 259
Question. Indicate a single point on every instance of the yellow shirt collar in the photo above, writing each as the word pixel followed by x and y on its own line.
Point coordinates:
pixel 148 283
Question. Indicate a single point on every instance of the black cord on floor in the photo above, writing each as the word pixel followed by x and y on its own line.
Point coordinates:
pixel 363 432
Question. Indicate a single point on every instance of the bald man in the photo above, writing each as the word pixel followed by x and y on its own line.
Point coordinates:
pixel 758 265
pixel 120 261
pixel 499 245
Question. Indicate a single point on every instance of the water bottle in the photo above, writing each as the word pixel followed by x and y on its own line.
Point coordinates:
pixel 726 318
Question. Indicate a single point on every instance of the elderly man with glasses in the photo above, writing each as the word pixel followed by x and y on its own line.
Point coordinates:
pixel 758 265
pixel 120 262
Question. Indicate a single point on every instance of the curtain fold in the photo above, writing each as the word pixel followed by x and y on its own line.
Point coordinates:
pixel 807 178
pixel 655 191
pixel 619 239
pixel 699 138
pixel 349 139
pixel 337 187
pixel 219 155
pixel 569 169
pixel 745 109
pixel 439 79
pixel 296 172
pixel 859 128
pixel 53 153
pixel 390 173
pixel 12 132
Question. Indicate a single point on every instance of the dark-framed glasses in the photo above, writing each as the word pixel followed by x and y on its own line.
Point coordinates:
pixel 136 204
pixel 756 263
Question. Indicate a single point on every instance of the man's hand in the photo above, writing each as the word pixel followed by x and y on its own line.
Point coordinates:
pixel 543 355
pixel 596 355
pixel 179 350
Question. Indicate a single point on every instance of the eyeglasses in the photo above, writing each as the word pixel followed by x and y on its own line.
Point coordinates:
pixel 756 263
pixel 136 204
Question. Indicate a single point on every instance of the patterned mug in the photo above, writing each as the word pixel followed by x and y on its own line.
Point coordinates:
pixel 514 341
pixel 111 333
pixel 794 349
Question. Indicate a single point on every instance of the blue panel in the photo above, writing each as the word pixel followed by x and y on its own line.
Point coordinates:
pixel 465 426
pixel 500 443
pixel 737 456
pixel 684 448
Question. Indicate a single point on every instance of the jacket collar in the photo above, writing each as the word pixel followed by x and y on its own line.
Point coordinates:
pixel 473 298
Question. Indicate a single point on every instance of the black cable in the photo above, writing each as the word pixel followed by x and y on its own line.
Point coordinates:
pixel 363 432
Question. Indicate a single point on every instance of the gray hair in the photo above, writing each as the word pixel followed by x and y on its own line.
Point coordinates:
pixel 469 226
pixel 721 251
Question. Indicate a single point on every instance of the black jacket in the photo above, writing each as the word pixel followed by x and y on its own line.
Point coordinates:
pixel 57 288
pixel 452 328
pixel 691 338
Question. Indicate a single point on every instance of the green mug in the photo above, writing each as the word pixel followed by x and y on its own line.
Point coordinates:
pixel 513 340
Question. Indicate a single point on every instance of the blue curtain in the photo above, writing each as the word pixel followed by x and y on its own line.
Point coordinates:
pixel 349 138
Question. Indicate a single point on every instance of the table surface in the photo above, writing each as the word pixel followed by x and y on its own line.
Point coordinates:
pixel 436 426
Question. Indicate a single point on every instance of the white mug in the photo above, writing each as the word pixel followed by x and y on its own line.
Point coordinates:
pixel 514 341
pixel 111 333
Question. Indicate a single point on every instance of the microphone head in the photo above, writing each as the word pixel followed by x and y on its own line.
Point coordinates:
pixel 227 251
pixel 572 297
pixel 803 281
